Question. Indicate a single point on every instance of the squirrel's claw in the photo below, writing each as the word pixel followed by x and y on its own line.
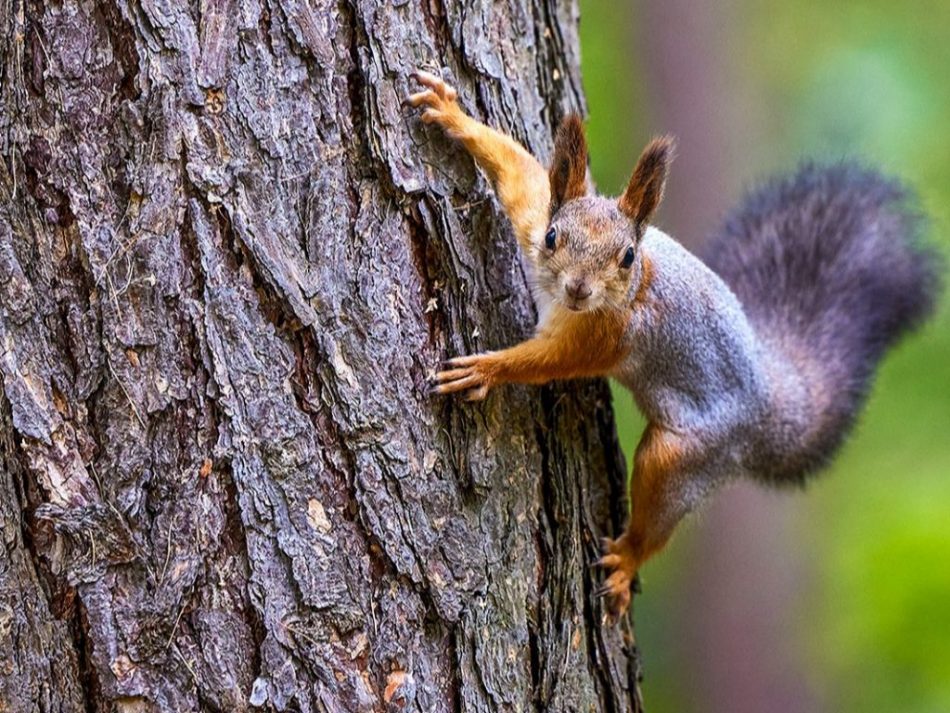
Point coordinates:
pixel 467 360
pixel 466 373
pixel 445 91
pixel 616 589
pixel 452 374
pixel 439 105
pixel 615 584
pixel 608 562
pixel 616 593
pixel 427 98
pixel 449 384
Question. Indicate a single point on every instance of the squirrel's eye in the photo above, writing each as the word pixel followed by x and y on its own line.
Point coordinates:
pixel 550 239
pixel 627 259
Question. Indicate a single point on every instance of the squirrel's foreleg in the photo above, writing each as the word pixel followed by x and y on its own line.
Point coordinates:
pixel 571 347
pixel 535 361
pixel 519 180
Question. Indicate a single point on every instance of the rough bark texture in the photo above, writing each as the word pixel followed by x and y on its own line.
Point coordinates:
pixel 229 261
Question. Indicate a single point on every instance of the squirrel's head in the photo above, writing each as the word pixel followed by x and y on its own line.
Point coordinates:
pixel 589 257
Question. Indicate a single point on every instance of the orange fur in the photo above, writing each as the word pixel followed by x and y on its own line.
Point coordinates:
pixel 570 346
pixel 519 180
pixel 659 457
pixel 646 278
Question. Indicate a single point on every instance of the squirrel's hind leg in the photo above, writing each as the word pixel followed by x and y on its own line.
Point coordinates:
pixel 668 478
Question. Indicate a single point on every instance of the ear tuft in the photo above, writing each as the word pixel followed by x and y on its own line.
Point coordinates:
pixel 568 172
pixel 645 190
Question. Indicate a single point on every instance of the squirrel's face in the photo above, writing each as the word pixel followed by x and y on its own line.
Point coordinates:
pixel 589 255
pixel 588 259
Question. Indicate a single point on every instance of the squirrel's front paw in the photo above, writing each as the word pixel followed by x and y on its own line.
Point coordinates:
pixel 439 101
pixel 473 373
pixel 621 564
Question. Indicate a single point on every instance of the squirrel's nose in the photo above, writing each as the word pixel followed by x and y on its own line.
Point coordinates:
pixel 578 289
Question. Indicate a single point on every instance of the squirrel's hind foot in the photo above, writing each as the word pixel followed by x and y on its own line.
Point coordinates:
pixel 621 563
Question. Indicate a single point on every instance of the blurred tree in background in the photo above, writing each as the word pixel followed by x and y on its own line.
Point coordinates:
pixel 836 600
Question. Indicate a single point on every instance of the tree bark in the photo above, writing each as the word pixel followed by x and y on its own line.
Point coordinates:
pixel 229 261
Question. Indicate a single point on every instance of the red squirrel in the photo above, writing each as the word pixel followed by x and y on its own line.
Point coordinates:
pixel 753 363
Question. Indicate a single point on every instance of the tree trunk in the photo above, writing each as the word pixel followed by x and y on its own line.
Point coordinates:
pixel 229 261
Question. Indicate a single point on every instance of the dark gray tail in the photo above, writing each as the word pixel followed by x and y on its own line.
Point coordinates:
pixel 829 261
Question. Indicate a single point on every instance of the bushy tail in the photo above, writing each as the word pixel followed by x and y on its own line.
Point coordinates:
pixel 830 268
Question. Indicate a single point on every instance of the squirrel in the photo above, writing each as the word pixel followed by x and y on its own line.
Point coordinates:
pixel 752 362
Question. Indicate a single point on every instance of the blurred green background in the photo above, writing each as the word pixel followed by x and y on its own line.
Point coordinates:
pixel 837 599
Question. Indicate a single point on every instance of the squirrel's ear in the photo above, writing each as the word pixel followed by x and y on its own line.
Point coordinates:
pixel 645 190
pixel 569 168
